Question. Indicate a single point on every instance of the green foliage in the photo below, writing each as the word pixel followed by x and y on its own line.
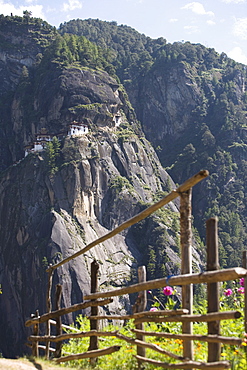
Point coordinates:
pixel 70 151
pixel 216 142
pixel 71 49
pixel 133 55
pixel 27 14
pixel 152 237
pixel 124 132
pixel 52 153
pixel 119 183
pixel 124 48
pixel 27 26
pixel 119 360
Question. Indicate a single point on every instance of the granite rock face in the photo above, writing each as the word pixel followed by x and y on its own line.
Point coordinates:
pixel 165 102
pixel 46 218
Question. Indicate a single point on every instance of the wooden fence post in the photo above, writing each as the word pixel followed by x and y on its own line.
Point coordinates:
pixel 94 324
pixel 48 307
pixel 213 288
pixel 186 266
pixel 140 306
pixel 35 348
pixel 59 330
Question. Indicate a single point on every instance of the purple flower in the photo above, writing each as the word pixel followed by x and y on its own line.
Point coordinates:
pixel 228 292
pixel 153 309
pixel 168 290
pixel 241 282
pixel 241 290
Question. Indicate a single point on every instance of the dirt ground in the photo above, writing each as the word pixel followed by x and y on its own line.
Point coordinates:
pixel 25 364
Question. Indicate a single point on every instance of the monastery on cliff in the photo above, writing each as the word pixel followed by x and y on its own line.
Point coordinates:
pixel 73 129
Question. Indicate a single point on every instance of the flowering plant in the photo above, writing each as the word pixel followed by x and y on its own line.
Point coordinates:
pixel 157 304
pixel 228 292
pixel 241 282
pixel 168 290
pixel 233 297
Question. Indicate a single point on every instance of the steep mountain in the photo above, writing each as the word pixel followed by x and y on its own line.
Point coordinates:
pixel 192 104
pixel 56 200
pixel 126 90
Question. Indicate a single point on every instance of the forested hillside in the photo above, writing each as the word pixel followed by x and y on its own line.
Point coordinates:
pixel 192 105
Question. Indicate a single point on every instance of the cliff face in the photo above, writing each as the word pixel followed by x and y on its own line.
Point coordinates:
pixel 59 97
pixel 21 48
pixel 165 102
pixel 47 218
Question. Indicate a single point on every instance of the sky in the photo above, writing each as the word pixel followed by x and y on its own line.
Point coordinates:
pixel 218 24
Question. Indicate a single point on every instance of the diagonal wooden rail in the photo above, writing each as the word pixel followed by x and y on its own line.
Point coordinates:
pixel 141 216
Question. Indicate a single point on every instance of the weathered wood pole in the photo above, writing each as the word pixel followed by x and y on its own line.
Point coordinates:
pixel 245 296
pixel 186 266
pixel 59 329
pixel 94 324
pixel 213 288
pixel 35 348
pixel 140 306
pixel 48 307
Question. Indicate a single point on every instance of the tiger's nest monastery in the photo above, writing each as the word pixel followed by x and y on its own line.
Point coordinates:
pixel 73 129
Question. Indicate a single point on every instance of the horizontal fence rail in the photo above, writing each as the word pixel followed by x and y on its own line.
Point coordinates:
pixel 233 341
pixel 204 277
pixel 64 311
pixel 227 315
pixel 141 314
pixel 188 365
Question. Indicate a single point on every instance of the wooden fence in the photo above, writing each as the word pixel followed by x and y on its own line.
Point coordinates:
pixel 212 277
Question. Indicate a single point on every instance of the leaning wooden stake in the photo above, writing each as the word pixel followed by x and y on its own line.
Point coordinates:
pixel 140 306
pixel 94 311
pixel 213 288
pixel 59 329
pixel 48 307
pixel 186 265
pixel 35 349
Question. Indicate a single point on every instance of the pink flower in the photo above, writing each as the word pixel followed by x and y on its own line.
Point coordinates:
pixel 153 309
pixel 241 290
pixel 168 290
pixel 228 292
pixel 149 291
pixel 241 282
